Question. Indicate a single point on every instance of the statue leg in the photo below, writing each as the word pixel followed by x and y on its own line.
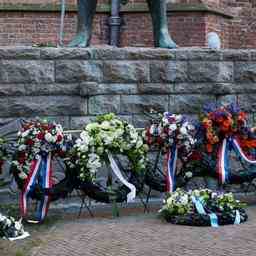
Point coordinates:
pixel 160 26
pixel 86 12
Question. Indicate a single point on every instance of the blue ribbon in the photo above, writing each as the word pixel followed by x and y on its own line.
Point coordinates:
pixel 200 209
pixel 238 218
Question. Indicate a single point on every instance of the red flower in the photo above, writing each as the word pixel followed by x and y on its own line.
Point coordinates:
pixel 30 142
pixel 59 138
pixel 196 156
pixel 40 136
pixel 22 159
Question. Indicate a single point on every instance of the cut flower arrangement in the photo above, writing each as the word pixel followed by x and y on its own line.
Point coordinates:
pixel 108 134
pixel 35 138
pixel 172 130
pixel 11 229
pixel 179 207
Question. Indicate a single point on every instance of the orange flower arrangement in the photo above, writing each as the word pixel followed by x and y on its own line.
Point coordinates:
pixel 222 122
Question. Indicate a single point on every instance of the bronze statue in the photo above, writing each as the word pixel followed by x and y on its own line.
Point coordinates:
pixel 86 12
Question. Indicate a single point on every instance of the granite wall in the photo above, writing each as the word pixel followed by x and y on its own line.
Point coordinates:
pixel 74 85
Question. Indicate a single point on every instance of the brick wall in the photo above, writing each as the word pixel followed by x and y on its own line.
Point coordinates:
pixel 189 22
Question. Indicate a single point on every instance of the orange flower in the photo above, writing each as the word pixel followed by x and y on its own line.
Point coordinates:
pixel 209 148
pixel 248 143
pixel 207 123
pixel 242 116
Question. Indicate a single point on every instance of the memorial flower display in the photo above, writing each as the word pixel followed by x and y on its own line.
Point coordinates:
pixel 104 140
pixel 107 135
pixel 38 143
pixel 172 130
pixel 35 138
pixel 225 129
pixel 203 207
pixel 175 136
pixel 11 229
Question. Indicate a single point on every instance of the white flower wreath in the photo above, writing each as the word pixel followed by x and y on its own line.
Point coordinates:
pixel 107 135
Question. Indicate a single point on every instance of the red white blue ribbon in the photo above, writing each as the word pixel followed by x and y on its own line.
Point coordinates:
pixel 41 173
pixel 240 152
pixel 170 168
pixel 222 162
pixel 226 146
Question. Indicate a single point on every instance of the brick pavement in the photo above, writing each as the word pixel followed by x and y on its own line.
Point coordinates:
pixel 147 235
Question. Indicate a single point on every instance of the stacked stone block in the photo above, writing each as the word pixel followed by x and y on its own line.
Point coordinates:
pixel 75 85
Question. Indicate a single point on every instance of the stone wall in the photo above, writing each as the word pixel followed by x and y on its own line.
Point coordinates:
pixel 74 85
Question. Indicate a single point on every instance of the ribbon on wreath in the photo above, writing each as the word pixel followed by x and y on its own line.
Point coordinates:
pixel 170 165
pixel 40 173
pixel 227 145
pixel 199 204
pixel 131 196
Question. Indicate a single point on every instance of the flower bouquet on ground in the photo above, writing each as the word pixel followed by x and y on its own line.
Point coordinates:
pixel 174 137
pixel 101 143
pixel 11 229
pixel 203 208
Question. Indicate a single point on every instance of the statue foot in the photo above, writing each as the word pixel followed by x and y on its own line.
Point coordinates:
pixel 80 40
pixel 165 41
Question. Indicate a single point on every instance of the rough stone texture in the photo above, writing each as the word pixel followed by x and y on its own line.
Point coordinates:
pixel 42 105
pixel 207 71
pixel 26 71
pixel 190 104
pixel 104 104
pixel 78 71
pixel 245 72
pixel 127 72
pixel 169 71
pixel 78 84
pixel 136 104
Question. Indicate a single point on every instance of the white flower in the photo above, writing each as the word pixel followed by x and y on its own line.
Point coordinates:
pixel 190 127
pixel 48 137
pixel 25 134
pixel 18 226
pixel 139 143
pixel 188 174
pixel 173 127
pixel 183 130
pixel 196 192
pixel 184 199
pixel 22 175
pixel 106 125
pixel 22 147
pixel 178 118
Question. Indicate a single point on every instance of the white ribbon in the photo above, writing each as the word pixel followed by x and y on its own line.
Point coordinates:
pixel 131 196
